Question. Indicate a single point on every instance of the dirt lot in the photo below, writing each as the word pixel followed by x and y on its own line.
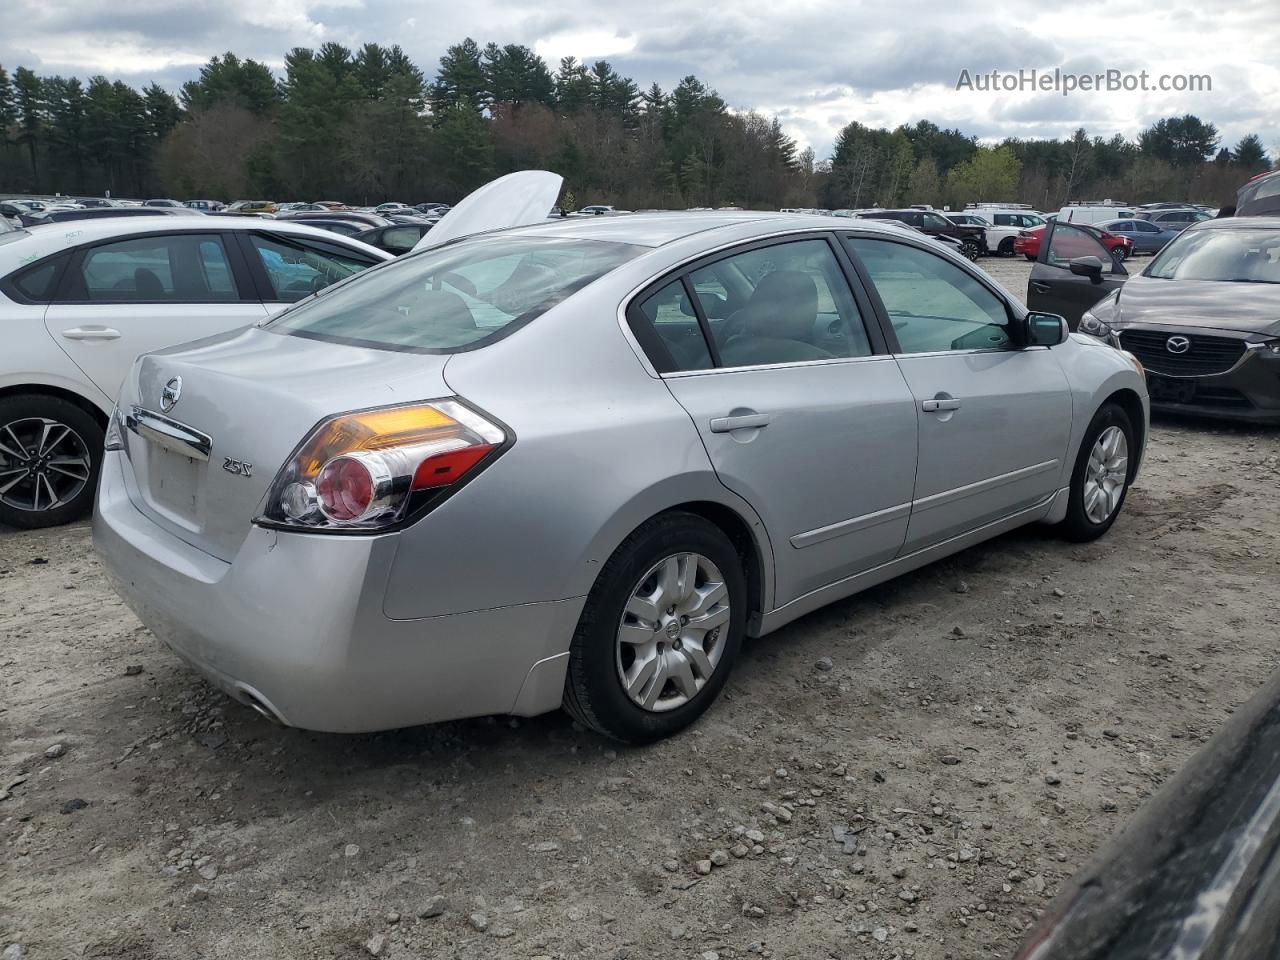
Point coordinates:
pixel 980 729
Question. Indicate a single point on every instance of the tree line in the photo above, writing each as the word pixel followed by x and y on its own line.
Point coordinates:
pixel 367 125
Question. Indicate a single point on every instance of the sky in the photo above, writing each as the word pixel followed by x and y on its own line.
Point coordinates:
pixel 816 64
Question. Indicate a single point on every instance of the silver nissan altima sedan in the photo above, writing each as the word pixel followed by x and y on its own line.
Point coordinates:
pixel 575 463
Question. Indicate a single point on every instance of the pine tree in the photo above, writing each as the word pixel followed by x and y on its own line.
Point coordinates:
pixel 29 101
pixel 460 82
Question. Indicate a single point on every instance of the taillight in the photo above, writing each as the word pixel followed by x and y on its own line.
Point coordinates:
pixel 372 469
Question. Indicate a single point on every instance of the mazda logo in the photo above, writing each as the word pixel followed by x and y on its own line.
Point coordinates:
pixel 171 393
pixel 1177 344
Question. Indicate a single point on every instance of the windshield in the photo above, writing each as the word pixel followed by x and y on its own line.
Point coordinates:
pixel 458 297
pixel 1243 256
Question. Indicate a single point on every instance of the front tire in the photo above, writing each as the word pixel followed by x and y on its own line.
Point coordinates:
pixel 50 455
pixel 1103 472
pixel 1006 247
pixel 970 250
pixel 660 631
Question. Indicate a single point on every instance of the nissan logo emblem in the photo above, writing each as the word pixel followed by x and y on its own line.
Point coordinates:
pixel 172 391
pixel 1177 344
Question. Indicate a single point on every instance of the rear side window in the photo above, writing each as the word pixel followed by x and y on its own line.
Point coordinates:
pixel 296 269
pixel 182 268
pixel 458 297
pixel 40 282
pixel 666 325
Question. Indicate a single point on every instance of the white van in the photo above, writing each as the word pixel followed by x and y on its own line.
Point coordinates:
pixel 1095 213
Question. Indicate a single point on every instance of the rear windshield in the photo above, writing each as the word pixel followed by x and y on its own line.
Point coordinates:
pixel 459 297
pixel 1245 256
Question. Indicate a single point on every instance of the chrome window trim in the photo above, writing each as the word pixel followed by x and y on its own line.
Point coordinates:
pixel 680 374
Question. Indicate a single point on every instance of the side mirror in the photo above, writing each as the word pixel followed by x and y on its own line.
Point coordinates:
pixel 1045 329
pixel 1090 267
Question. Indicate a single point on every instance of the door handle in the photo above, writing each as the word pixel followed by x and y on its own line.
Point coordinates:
pixel 937 406
pixel 91 333
pixel 743 422
pixel 1039 286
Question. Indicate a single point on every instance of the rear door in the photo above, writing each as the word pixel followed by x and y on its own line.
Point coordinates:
pixel 130 296
pixel 1053 288
pixel 783 371
pixel 994 420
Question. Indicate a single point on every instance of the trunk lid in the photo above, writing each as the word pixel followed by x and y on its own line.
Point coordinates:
pixel 252 397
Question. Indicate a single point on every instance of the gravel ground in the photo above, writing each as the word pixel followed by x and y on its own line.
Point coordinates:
pixel 911 773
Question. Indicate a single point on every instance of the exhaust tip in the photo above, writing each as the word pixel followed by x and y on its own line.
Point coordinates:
pixel 260 707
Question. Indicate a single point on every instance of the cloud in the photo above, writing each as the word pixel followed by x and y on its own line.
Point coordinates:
pixel 816 64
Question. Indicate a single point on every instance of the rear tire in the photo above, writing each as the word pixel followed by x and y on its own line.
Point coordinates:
pixel 1098 484
pixel 50 455
pixel 1029 257
pixel 612 642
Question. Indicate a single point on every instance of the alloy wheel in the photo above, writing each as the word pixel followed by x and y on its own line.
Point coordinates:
pixel 672 633
pixel 1106 474
pixel 44 464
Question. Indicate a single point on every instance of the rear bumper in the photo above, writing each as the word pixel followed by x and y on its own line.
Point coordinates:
pixel 294 625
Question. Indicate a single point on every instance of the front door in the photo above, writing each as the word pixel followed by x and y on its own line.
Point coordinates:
pixel 800 413
pixel 994 420
pixel 1053 288
pixel 141 294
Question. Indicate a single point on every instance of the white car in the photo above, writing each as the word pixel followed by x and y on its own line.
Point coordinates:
pixel 80 300
pixel 1001 225
pixel 1095 212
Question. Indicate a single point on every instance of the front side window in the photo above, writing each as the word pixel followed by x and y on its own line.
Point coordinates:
pixel 1070 242
pixel 190 268
pixel 933 304
pixel 296 270
pixel 1245 256
pixel 783 303
pixel 935 222
pixel 456 297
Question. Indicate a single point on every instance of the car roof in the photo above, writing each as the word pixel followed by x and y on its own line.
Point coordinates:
pixel 657 229
pixel 49 238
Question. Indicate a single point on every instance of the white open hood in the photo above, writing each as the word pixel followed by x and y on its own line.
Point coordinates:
pixel 510 201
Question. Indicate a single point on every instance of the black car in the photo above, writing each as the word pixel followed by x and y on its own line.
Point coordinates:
pixel 161 203
pixel 972 239
pixel 1195 875
pixel 1204 319
pixel 1073 271
pixel 367 221
pixel 398 239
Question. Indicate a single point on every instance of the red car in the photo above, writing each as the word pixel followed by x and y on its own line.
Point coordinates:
pixel 1027 242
